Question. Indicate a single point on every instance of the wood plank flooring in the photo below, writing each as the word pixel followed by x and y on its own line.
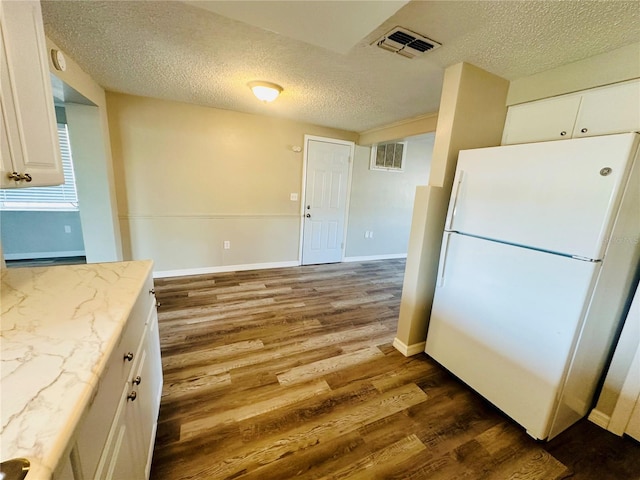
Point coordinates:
pixel 290 373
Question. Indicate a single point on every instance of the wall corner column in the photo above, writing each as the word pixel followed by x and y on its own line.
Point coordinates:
pixel 472 114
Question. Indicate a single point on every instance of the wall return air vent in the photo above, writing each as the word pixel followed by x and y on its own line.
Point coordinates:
pixel 406 43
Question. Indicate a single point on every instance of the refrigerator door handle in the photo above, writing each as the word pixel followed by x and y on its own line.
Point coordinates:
pixel 455 200
pixel 443 263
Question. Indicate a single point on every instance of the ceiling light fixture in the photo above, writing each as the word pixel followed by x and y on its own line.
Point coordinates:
pixel 265 91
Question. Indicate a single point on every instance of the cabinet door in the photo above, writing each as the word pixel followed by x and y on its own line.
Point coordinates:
pixel 64 470
pixel 148 377
pixel 28 117
pixel 551 119
pixel 613 109
pixel 121 459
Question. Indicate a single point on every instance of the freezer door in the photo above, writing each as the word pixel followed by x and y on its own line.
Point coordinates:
pixel 505 320
pixel 558 196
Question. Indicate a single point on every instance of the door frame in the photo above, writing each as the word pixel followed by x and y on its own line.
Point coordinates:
pixel 303 187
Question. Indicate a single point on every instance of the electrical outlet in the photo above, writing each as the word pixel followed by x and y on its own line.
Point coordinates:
pixel 226 245
pixel 293 197
pixel 67 229
pixel 371 234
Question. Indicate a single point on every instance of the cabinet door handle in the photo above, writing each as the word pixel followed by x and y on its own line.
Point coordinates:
pixel 158 304
pixel 584 130
pixel 18 177
pixel 137 380
pixel 152 291
pixel 563 133
pixel 129 356
pixel 132 396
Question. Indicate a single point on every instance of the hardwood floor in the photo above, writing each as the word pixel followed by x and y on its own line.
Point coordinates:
pixel 290 373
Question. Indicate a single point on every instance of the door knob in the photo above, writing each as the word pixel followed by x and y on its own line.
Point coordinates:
pixel 308 215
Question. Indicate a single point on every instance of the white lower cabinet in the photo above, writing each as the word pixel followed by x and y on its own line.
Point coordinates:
pixel 121 458
pixel 115 439
pixel 64 471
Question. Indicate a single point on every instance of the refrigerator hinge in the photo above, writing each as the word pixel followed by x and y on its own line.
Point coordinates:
pixel 584 259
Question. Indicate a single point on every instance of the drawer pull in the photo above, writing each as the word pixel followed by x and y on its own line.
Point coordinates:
pixel 128 356
pixel 132 396
pixel 137 380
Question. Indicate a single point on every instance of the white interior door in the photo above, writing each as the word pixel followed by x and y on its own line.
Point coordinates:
pixel 325 202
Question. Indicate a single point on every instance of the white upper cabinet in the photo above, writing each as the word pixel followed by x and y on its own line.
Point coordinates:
pixel 30 151
pixel 612 109
pixel 600 111
pixel 551 119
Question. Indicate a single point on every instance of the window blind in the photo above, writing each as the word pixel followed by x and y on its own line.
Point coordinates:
pixel 59 197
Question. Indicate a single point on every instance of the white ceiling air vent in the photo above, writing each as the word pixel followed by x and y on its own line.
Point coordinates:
pixel 406 43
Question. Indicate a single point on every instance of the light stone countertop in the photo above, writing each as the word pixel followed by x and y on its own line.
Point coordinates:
pixel 58 326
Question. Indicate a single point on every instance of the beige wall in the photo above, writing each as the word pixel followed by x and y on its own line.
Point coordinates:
pixel 190 177
pixel 611 67
pixel 403 129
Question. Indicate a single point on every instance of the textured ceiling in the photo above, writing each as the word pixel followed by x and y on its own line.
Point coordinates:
pixel 173 50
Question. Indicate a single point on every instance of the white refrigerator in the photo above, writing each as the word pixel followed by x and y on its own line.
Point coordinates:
pixel 540 251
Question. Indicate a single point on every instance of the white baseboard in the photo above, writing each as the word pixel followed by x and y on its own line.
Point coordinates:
pixel 30 255
pixel 599 418
pixel 222 269
pixel 366 258
pixel 408 350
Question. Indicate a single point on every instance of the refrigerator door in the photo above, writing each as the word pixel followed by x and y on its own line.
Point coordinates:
pixel 505 320
pixel 557 196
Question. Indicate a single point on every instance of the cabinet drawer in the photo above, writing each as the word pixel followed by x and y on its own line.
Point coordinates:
pixel 94 428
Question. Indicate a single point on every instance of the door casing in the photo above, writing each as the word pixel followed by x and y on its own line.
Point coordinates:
pixel 308 138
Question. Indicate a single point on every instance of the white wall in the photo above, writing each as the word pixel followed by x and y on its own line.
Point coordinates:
pixel 97 213
pixel 382 201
